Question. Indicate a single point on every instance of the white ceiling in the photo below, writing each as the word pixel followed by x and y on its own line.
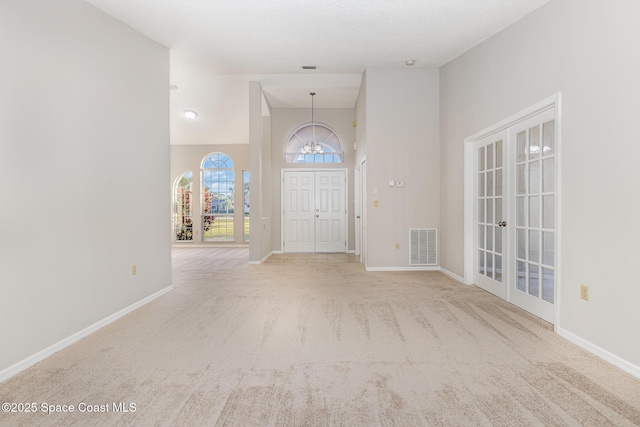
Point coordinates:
pixel 218 46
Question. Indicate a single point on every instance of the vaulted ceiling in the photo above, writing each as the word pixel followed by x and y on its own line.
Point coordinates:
pixel 218 46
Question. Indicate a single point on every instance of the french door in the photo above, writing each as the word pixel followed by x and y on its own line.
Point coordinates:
pixel 515 213
pixel 314 211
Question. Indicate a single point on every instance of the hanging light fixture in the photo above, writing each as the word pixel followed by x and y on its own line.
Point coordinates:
pixel 312 147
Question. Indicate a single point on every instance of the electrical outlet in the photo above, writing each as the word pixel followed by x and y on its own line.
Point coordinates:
pixel 375 203
pixel 397 245
pixel 584 292
pixel 134 269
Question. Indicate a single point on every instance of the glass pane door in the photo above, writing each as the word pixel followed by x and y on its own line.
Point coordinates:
pixel 490 215
pixel 534 202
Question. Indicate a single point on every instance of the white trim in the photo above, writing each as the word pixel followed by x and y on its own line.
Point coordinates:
pixel 18 367
pixel 351 251
pixel 600 352
pixel 453 275
pixel 434 268
pixel 266 257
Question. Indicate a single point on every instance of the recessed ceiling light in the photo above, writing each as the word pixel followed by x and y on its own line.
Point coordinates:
pixel 190 114
pixel 409 62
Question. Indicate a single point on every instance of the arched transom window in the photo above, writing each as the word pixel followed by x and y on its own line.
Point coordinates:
pixel 314 143
pixel 217 197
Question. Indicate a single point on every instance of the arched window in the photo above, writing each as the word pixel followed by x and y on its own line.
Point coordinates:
pixel 314 143
pixel 217 197
pixel 182 217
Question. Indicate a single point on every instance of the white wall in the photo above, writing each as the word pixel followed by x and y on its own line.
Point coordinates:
pixel 185 158
pixel 401 133
pixel 588 50
pixel 260 246
pixel 287 120
pixel 84 162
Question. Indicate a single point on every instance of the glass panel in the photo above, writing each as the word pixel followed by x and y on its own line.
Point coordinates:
pixel 534 211
pixel 521 146
pixel 521 281
pixel 498 210
pixel 481 210
pixel 489 238
pixel 489 156
pixel 548 281
pixel 548 212
pixel 498 240
pixel 481 184
pixel 498 270
pixel 490 183
pixel 534 246
pixel 499 154
pixel 520 212
pixel 534 280
pixel 534 177
pixel 534 142
pixel 489 265
pixel 481 262
pixel 549 138
pixel 489 211
pixel 521 244
pixel 481 159
pixel 548 248
pixel 549 174
pixel 481 236
pixel 521 185
pixel 499 182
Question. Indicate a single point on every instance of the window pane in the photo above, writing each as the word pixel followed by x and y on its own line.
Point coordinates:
pixel 520 211
pixel 498 240
pixel 489 238
pixel 498 210
pixel 489 265
pixel 489 211
pixel 534 142
pixel 481 211
pixel 481 186
pixel 548 283
pixel 498 269
pixel 521 244
pixel 499 182
pixel 481 158
pixel 521 146
pixel 548 248
pixel 490 156
pixel 534 177
pixel 549 174
pixel 534 211
pixel 534 280
pixel 521 281
pixel 481 236
pixel 548 212
pixel 490 183
pixel 549 138
pixel 499 154
pixel 534 246
pixel 481 262
pixel 521 185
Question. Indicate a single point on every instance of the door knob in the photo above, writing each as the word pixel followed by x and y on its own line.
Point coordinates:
pixel 502 223
pixel 317 216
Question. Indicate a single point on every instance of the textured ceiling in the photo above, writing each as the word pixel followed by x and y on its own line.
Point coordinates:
pixel 217 46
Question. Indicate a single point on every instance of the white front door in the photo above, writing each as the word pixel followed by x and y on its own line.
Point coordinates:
pixel 490 215
pixel 314 211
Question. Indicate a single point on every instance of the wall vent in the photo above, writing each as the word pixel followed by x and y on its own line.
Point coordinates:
pixel 424 246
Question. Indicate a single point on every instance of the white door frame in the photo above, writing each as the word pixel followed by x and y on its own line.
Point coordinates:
pixel 470 187
pixel 346 196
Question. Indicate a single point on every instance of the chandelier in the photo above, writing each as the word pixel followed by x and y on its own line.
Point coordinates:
pixel 312 147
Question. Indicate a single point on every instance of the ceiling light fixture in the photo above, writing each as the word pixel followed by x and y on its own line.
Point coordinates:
pixel 409 62
pixel 312 147
pixel 190 114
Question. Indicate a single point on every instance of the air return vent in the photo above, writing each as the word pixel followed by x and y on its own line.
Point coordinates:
pixel 424 246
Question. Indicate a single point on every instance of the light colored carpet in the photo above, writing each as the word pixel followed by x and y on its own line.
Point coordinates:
pixel 314 340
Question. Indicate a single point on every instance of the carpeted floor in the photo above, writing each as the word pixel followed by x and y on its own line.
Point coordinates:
pixel 314 340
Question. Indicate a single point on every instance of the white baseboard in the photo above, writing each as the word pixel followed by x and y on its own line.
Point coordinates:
pixel 600 352
pixel 18 367
pixel 434 268
pixel 351 251
pixel 266 257
pixel 452 275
